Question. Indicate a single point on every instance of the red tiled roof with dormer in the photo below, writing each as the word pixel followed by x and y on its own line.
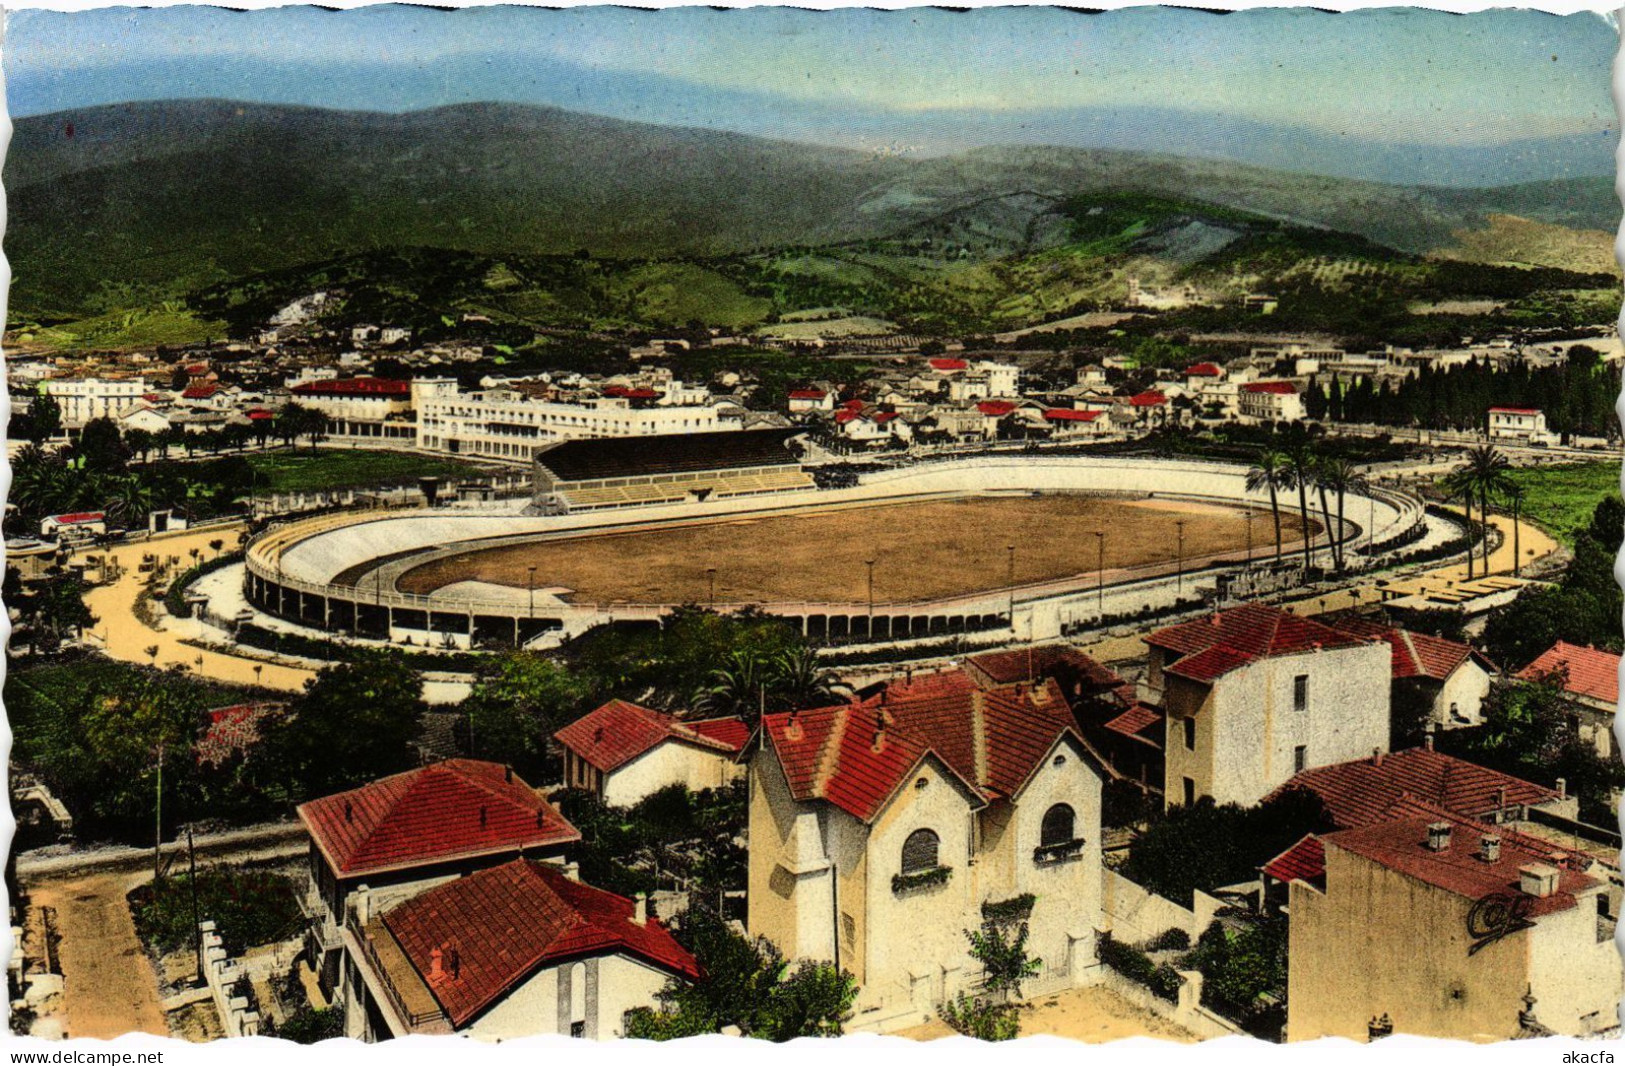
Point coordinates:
pixel 1588 672
pixel 618 732
pixel 1364 791
pixel 478 938
pixel 1416 654
pixel 456 809
pixel 857 755
pixel 1213 646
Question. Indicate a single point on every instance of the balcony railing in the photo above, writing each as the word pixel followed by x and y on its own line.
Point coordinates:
pixel 414 1020
pixel 1056 854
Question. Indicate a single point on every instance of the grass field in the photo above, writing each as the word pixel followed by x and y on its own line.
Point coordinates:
pixel 922 550
pixel 1562 498
pixel 303 470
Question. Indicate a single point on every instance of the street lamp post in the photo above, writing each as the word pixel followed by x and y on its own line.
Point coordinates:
pixel 533 593
pixel 1010 580
pixel 1250 516
pixel 1100 572
pixel 1179 580
pixel 870 563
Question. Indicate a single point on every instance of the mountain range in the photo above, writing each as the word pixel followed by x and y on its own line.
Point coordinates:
pixel 123 205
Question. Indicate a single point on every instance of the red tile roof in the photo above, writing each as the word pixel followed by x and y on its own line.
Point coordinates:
pixel 494 929
pixel 78 518
pixel 199 392
pixel 948 364
pixel 626 392
pixel 1362 792
pixel 460 808
pixel 1415 654
pixel 1136 720
pixel 1148 398
pixel 354 387
pixel 807 394
pixel 260 413
pixel 1060 661
pixel 1203 370
pixel 846 415
pixel 1300 862
pixel 1587 672
pixel 1279 388
pixel 1213 646
pixel 1067 414
pixel 1517 410
pixel 1400 845
pixel 857 755
pixel 618 732
pixel 995 408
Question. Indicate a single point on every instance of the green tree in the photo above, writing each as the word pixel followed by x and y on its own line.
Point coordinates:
pixel 354 723
pixel 981 1019
pixel 1001 948
pixel 44 420
pixel 519 700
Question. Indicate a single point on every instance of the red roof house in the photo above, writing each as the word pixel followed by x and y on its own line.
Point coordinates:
pixel 1365 791
pixel 947 366
pixel 1278 388
pixel 446 812
pixel 995 408
pixel 1148 398
pixel 1590 674
pixel 1204 370
pixel 599 745
pixel 352 387
pixel 1209 648
pixel 1067 414
pixel 199 392
pixel 477 940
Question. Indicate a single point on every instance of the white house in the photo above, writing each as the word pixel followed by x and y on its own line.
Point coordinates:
pixel 1270 401
pixel 1257 694
pixel 882 829
pixel 1446 680
pixel 520 949
pixel 84 399
pixel 1526 424
pixel 622 752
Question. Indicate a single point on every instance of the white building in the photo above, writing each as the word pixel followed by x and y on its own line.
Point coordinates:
pixel 622 752
pixel 503 423
pixel 881 830
pixel 1270 401
pixel 86 399
pixel 1256 694
pixel 1525 424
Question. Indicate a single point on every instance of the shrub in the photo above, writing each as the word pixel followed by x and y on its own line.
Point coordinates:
pixel 1174 939
pixel 981 1019
pixel 175 598
pixel 311 1025
pixel 1133 963
pixel 248 907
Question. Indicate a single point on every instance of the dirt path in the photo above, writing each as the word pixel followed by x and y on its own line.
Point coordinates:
pixel 123 636
pixel 109 987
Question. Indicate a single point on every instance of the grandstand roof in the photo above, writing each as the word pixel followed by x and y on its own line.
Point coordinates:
pixel 669 453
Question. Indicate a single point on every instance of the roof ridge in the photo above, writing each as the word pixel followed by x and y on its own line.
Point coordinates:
pixel 829 754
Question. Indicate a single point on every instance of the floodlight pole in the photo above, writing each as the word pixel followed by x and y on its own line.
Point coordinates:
pixel 1179 580
pixel 1100 573
pixel 533 593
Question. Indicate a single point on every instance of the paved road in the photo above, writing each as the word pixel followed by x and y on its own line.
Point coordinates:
pixel 125 637
pixel 109 985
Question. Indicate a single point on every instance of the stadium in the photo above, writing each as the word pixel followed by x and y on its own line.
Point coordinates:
pixel 626 530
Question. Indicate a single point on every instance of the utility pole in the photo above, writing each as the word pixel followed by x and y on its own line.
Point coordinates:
pixel 533 593
pixel 1100 572
pixel 1010 549
pixel 158 820
pixel 197 933
pixel 870 563
pixel 1179 580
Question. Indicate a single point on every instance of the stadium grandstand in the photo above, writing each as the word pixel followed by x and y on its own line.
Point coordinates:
pixel 601 474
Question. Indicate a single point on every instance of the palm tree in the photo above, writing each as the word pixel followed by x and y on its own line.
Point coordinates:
pixel 1269 473
pixel 1487 468
pixel 739 688
pixel 1300 472
pixel 130 498
pixel 1318 472
pixel 801 680
pixel 1342 477
pixel 1460 484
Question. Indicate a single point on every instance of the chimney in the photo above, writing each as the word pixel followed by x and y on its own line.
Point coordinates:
pixel 880 732
pixel 541 817
pixel 1427 741
pixel 1438 836
pixel 792 728
pixel 349 811
pixel 1489 847
pixel 640 909
pixel 1562 788
pixel 507 774
pixel 1537 879
pixel 435 972
pixel 1501 798
pixel 482 817
pixel 572 870
pixel 1376 756
pixel 456 962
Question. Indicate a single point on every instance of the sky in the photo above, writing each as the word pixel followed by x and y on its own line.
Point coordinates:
pixel 921 80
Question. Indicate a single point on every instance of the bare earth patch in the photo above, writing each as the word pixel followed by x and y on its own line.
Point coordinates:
pixel 1092 1015
pixel 922 551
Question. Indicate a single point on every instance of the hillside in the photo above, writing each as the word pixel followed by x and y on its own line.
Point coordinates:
pixel 125 207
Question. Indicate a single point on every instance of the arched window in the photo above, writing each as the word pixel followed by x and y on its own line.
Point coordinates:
pixel 920 852
pixel 1059 822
